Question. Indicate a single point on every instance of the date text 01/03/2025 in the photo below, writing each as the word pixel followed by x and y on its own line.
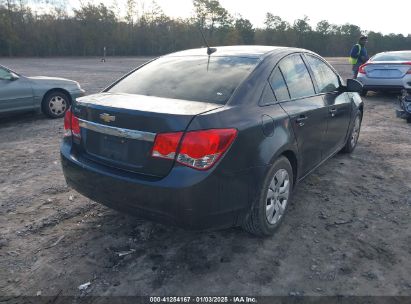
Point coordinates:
pixel 203 299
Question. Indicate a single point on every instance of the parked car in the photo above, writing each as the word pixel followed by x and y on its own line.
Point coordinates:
pixel 404 110
pixel 211 141
pixel 388 71
pixel 51 95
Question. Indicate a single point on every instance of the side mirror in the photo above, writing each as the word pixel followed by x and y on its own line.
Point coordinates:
pixel 354 85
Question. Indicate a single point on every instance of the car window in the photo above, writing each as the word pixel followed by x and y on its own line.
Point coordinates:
pixel 325 77
pixel 196 78
pixel 296 76
pixel 397 56
pixel 267 97
pixel 4 74
pixel 278 85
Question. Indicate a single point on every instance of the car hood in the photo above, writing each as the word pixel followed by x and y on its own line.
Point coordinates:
pixel 53 80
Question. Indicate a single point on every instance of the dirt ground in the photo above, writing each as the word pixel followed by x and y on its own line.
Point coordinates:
pixel 347 232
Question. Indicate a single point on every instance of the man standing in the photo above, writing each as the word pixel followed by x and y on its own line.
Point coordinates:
pixel 358 55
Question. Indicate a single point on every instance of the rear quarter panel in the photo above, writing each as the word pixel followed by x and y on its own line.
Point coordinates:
pixel 242 170
pixel 264 133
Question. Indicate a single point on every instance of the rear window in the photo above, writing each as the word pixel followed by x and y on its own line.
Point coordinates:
pixel 197 78
pixel 398 56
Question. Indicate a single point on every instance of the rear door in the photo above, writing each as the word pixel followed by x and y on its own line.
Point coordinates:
pixel 15 94
pixel 336 102
pixel 294 89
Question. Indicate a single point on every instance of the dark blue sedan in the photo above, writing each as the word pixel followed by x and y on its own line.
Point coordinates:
pixel 211 141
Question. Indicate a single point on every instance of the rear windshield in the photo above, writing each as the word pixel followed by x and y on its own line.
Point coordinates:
pixel 398 56
pixel 197 78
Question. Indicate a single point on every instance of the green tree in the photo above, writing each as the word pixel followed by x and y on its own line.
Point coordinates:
pixel 210 15
pixel 245 30
pixel 85 31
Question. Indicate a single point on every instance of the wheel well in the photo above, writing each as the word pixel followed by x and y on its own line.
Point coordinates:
pixel 57 90
pixel 361 108
pixel 290 155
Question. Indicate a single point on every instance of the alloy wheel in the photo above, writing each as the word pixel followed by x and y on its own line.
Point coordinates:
pixel 277 196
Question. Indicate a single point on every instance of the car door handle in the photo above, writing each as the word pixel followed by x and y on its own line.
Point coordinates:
pixel 301 120
pixel 333 112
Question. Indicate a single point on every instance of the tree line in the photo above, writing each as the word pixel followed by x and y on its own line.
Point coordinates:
pixel 87 30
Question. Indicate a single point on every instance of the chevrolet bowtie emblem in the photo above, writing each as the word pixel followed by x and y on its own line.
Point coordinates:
pixel 107 117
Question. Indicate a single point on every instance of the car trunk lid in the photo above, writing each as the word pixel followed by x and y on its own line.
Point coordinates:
pixel 118 130
pixel 387 69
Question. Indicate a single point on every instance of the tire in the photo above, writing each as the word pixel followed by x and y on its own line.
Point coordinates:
pixel 364 93
pixel 259 221
pixel 354 135
pixel 409 119
pixel 55 104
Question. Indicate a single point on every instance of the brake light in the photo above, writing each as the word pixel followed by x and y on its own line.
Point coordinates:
pixel 166 144
pixel 202 149
pixel 361 69
pixel 199 149
pixel 67 123
pixel 71 125
pixel 407 63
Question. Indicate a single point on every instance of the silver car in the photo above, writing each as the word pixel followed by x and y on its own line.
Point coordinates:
pixel 386 71
pixel 52 96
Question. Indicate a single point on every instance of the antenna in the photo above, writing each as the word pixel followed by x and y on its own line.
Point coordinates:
pixel 210 50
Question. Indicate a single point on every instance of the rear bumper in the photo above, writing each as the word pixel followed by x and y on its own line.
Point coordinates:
pixel 383 88
pixel 186 197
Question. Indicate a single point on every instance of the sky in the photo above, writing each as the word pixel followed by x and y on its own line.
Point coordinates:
pixel 386 17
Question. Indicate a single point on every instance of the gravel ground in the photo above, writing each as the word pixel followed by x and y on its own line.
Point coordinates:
pixel 347 232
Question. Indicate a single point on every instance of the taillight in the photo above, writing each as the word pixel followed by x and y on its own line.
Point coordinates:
pixel 67 123
pixel 198 149
pixel 202 149
pixel 71 125
pixel 407 63
pixel 361 69
pixel 165 145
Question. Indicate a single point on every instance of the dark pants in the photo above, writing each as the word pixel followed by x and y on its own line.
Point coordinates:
pixel 355 68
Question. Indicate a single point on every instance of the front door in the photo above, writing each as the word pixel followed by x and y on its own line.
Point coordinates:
pixel 15 92
pixel 339 115
pixel 337 103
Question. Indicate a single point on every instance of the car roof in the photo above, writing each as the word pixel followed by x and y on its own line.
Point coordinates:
pixel 250 51
pixel 395 52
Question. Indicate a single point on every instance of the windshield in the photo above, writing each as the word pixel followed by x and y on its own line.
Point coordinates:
pixel 397 56
pixel 196 78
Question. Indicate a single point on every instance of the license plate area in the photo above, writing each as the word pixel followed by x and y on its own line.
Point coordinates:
pixel 114 148
pixel 385 73
pixel 124 153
